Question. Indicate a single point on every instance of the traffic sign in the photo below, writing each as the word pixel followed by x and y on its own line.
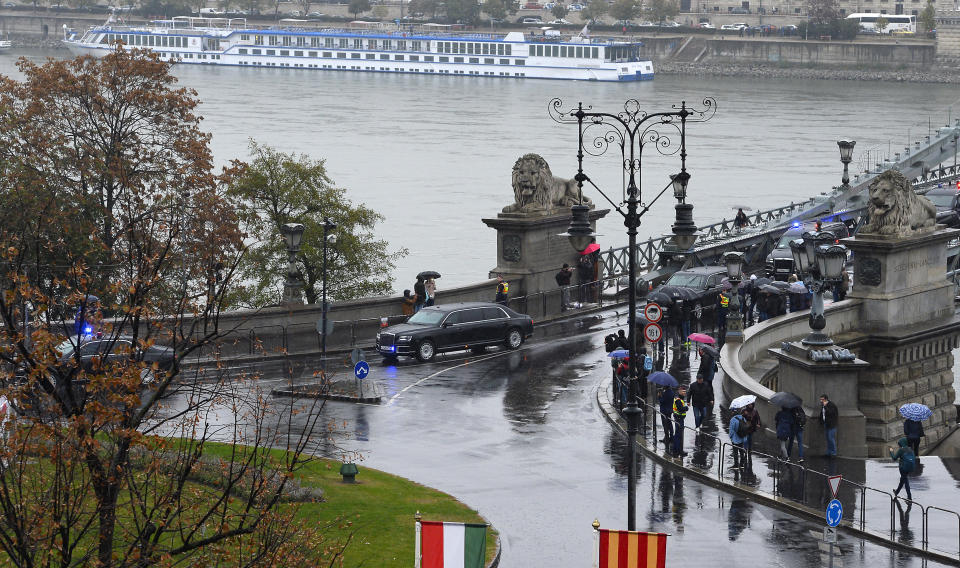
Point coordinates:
pixel 834 513
pixel 652 332
pixel 834 481
pixel 329 329
pixel 830 535
pixel 653 312
pixel 361 370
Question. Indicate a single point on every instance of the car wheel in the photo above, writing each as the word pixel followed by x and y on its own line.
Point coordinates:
pixel 697 310
pixel 426 350
pixel 514 339
pixel 478 349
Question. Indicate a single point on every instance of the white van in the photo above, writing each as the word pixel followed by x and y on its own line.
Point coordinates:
pixel 211 12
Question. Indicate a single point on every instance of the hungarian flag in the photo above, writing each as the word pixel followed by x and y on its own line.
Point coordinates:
pixel 625 549
pixel 451 545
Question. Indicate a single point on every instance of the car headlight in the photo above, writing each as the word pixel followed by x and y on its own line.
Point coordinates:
pixel 404 338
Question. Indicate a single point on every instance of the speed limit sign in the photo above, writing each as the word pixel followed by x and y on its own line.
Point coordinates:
pixel 653 312
pixel 652 332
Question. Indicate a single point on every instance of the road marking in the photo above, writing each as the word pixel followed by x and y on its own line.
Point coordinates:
pixel 465 363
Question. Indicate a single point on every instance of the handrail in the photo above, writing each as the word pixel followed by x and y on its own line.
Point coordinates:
pixel 926 525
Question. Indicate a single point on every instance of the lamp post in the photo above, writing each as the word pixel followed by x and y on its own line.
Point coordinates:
pixel 734 262
pixel 846 156
pixel 630 130
pixel 821 261
pixel 292 234
pixel 332 239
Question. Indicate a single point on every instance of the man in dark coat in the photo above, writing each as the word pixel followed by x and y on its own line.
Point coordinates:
pixel 666 413
pixel 913 430
pixel 701 399
pixel 708 364
pixel 829 418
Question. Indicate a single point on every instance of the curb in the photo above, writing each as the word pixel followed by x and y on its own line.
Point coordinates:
pixel 781 503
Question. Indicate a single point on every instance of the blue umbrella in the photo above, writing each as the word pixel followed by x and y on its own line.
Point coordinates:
pixel 663 379
pixel 915 411
pixel 619 353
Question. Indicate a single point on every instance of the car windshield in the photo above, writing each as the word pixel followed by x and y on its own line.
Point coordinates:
pixel 941 199
pixel 426 317
pixel 785 240
pixel 687 280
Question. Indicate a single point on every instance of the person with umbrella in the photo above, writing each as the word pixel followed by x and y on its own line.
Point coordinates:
pixel 420 294
pixel 737 430
pixel 708 363
pixel 753 420
pixel 740 221
pixel 794 405
pixel 665 401
pixel 784 420
pixel 701 399
pixel 913 413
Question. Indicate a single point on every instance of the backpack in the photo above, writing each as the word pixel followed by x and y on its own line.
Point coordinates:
pixel 800 417
pixel 908 461
pixel 743 427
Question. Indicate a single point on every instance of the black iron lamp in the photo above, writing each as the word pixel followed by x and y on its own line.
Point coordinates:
pixel 799 251
pixel 830 261
pixel 821 261
pixel 679 182
pixel 328 226
pixel 734 262
pixel 293 235
pixel 846 156
pixel 580 233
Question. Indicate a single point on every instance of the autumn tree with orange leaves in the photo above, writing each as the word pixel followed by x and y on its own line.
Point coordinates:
pixel 110 210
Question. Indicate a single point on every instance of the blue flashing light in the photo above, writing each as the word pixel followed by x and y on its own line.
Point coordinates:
pixel 88 330
pixel 796 225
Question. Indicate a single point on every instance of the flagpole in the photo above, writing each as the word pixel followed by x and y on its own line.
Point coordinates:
pixel 416 546
pixel 596 543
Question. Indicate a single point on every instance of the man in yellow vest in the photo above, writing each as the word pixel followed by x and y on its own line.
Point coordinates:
pixel 679 415
pixel 503 290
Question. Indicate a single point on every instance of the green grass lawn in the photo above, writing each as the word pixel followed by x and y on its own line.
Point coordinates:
pixel 381 508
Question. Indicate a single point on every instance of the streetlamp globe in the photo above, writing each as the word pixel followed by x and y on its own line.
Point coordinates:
pixel 846 150
pixel 799 251
pixel 734 261
pixel 293 234
pixel 679 182
pixel 830 261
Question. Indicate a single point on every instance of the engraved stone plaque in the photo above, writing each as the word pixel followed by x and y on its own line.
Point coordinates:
pixel 511 248
pixel 868 271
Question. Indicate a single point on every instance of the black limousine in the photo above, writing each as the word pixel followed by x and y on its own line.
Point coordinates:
pixel 454 327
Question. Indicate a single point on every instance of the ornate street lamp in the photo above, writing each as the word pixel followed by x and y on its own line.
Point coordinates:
pixel 631 130
pixel 332 239
pixel 734 262
pixel 846 156
pixel 292 234
pixel 821 261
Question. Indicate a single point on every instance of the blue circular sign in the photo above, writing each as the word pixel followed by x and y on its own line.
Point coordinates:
pixel 361 370
pixel 834 513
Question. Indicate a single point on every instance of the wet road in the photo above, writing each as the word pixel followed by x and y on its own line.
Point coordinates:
pixel 519 436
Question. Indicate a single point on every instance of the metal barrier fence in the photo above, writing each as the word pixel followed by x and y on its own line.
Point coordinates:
pixel 711 453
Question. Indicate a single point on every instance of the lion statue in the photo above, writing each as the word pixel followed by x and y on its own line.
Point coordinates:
pixel 895 210
pixel 537 192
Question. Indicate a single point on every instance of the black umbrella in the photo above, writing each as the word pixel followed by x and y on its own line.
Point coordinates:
pixel 771 289
pixel 428 274
pixel 786 400
pixel 710 351
pixel 657 297
pixel 780 284
pixel 663 379
pixel 761 281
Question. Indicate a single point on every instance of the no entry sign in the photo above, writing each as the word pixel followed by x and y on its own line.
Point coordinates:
pixel 653 312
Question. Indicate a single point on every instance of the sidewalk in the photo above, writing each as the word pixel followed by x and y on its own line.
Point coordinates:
pixel 802 489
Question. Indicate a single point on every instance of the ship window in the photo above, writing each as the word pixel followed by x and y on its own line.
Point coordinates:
pixel 341 55
pixel 273 40
pixel 463 47
pixel 314 42
pixel 354 56
pixel 164 41
pixel 521 62
pixel 415 45
pixel 401 44
pixel 474 60
pixel 284 52
pixel 301 41
pixel 371 56
pixel 504 62
pixel 509 49
pixel 458 60
pixel 414 58
pixel 595 52
pixel 311 53
pixel 328 42
pixel 357 43
pixel 271 52
pixel 500 49
pixel 428 58
pixel 298 53
pixel 470 48
pixel 488 60
pixel 580 52
pixel 327 54
pixel 104 38
pixel 372 44
pixel 258 39
pixel 398 58
pixel 384 56
pixel 242 51
pixel 255 51
pixel 563 51
pixel 444 59
pixel 286 41
pixel 342 42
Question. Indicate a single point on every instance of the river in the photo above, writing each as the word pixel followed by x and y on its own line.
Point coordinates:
pixel 434 154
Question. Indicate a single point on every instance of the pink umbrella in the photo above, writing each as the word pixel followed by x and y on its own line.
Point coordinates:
pixel 701 338
pixel 592 247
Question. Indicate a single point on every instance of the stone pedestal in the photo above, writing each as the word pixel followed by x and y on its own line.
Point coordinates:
pixel 808 379
pixel 530 249
pixel 907 332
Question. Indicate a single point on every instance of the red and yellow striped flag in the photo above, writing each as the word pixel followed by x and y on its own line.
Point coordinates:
pixel 625 549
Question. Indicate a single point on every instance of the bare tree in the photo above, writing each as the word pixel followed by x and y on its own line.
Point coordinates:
pixel 107 191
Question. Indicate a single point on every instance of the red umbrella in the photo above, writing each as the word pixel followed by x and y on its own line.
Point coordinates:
pixel 701 338
pixel 592 247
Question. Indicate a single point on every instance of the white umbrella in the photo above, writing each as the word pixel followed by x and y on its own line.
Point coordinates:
pixel 742 401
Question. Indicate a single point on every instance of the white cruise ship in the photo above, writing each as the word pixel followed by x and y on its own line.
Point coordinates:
pixel 373 47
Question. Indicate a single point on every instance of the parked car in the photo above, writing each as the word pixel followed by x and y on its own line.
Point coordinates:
pixel 575 7
pixel 532 6
pixel 454 327
pixel 535 20
pixel 730 27
pixel 560 22
pixel 779 263
pixel 669 24
pixel 701 286
pixel 706 26
pixel 788 30
pixel 947 201
pixel 97 352
pixel 549 5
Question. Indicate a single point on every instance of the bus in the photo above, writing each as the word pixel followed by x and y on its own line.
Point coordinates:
pixel 905 23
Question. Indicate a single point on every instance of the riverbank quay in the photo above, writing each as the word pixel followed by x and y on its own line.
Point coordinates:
pixel 936 74
pixel 801 488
